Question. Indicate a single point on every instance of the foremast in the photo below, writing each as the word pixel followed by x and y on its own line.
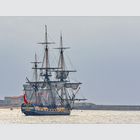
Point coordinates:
pixel 35 86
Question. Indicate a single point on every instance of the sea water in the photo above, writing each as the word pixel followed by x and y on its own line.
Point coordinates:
pixel 76 117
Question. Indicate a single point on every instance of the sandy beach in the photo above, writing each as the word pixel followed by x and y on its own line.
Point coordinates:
pixel 15 116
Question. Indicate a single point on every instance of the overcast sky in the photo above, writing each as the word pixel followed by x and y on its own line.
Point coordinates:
pixel 104 50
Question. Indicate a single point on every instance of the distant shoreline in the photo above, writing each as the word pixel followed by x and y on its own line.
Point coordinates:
pixel 7 107
pixel 94 107
pixel 110 107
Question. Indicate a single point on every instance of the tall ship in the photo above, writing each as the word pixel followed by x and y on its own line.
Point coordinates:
pixel 51 92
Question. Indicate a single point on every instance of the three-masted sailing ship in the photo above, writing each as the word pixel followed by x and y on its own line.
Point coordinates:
pixel 51 92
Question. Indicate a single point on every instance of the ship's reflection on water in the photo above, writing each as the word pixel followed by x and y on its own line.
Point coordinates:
pixel 76 117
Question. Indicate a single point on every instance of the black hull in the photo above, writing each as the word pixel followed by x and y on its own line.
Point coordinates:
pixel 44 113
pixel 30 110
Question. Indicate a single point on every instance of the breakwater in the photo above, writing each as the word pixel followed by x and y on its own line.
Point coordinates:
pixel 109 107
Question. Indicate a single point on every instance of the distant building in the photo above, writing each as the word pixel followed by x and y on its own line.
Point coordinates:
pixel 83 105
pixel 2 102
pixel 15 100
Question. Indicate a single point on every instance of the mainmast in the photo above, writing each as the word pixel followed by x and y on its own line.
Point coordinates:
pixel 47 68
pixel 46 43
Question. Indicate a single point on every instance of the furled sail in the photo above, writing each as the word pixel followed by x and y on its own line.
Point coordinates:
pixel 62 74
pixel 27 87
pixel 74 86
pixel 58 85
